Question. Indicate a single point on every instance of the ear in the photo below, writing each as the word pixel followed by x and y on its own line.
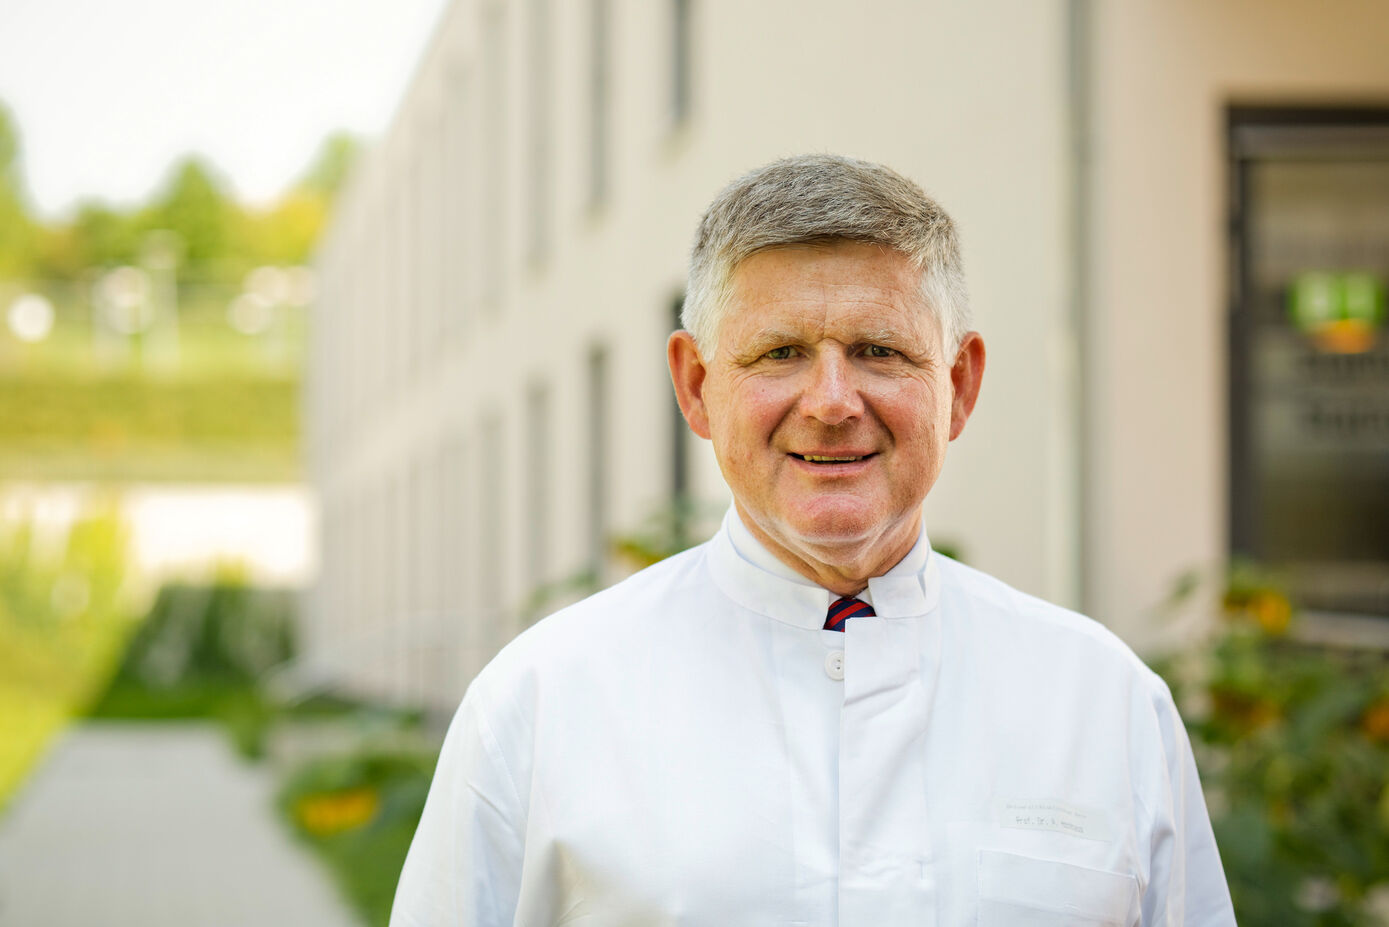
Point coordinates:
pixel 687 372
pixel 965 376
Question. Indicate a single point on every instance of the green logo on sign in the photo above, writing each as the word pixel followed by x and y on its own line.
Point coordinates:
pixel 1318 299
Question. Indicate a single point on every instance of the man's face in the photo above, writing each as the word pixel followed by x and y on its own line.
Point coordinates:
pixel 828 402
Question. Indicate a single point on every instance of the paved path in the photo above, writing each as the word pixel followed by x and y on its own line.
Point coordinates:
pixel 148 825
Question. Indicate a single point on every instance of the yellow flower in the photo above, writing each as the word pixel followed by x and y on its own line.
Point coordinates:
pixel 328 813
pixel 1272 611
pixel 1375 721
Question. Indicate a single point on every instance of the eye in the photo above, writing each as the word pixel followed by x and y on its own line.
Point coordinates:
pixel 781 353
pixel 877 350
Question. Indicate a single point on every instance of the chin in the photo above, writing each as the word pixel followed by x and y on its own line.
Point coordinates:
pixel 847 523
pixel 835 528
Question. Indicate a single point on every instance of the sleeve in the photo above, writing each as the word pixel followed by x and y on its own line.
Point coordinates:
pixel 1187 885
pixel 464 864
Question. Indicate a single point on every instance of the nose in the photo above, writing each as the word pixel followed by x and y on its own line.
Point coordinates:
pixel 832 396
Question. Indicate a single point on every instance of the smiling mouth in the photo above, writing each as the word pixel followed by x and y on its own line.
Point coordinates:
pixel 825 459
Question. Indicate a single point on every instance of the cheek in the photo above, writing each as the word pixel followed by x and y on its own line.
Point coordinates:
pixel 741 428
pixel 918 419
pixel 759 409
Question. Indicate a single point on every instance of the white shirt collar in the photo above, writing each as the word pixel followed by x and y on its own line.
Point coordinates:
pixel 752 576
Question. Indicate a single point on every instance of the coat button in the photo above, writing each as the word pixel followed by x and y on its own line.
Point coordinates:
pixel 834 664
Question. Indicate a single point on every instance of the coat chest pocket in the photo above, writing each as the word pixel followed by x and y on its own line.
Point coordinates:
pixel 1023 891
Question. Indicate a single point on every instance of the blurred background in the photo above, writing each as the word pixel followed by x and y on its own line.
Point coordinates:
pixel 319 319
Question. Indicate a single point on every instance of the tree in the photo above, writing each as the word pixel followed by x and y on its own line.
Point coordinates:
pixel 9 145
pixel 288 231
pixel 332 166
pixel 17 227
pixel 195 206
pixel 220 240
pixel 97 236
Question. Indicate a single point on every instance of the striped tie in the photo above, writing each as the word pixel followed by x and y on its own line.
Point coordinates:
pixel 844 609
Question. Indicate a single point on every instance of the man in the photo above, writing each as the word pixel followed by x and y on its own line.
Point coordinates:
pixel 813 719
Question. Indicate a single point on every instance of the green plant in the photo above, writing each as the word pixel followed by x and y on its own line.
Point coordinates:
pixel 65 613
pixel 359 812
pixel 200 653
pixel 1292 741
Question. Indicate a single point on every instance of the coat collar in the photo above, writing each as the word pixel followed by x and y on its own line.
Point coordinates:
pixel 750 575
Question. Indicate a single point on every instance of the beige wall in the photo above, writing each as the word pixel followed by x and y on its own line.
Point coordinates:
pixel 1164 72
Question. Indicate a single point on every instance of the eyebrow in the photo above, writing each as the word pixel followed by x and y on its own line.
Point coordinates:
pixel 772 337
pixel 768 338
pixel 887 337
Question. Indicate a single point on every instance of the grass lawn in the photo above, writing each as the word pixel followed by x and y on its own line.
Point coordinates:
pixel 224 407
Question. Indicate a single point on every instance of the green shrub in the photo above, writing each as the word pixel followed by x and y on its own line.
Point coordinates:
pixel 200 653
pixel 226 632
pixel 359 812
pixel 1292 741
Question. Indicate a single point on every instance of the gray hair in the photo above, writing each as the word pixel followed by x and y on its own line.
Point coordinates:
pixel 821 197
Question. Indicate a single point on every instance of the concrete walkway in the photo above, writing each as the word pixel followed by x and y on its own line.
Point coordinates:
pixel 149 825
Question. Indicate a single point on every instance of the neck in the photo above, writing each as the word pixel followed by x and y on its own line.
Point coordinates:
pixel 842 567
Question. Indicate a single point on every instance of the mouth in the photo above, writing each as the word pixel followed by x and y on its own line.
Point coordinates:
pixel 829 460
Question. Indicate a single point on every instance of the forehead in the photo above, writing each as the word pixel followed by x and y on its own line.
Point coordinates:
pixel 826 287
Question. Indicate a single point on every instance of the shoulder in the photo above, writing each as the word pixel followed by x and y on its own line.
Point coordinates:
pixel 1014 622
pixel 1054 663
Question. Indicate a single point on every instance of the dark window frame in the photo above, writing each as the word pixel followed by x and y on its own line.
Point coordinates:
pixel 1255 133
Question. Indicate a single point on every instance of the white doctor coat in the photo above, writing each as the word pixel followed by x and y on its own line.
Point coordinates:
pixel 690 747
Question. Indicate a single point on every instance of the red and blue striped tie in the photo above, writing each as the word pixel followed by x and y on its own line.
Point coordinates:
pixel 844 609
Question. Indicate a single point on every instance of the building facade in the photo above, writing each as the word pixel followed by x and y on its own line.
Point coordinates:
pixel 489 405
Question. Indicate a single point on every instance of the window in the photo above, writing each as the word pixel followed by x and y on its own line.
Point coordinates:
pixel 455 548
pixel 681 60
pixel 458 256
pixel 423 504
pixel 437 191
pixel 395 667
pixel 538 484
pixel 377 326
pixel 494 181
pixel 460 622
pixel 597 432
pixel 408 271
pixel 599 104
pixel 375 637
pixel 538 244
pixel 1309 365
pixel 400 322
pixel 491 525
pixel 420 308
pixel 361 581
pixel 419 610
